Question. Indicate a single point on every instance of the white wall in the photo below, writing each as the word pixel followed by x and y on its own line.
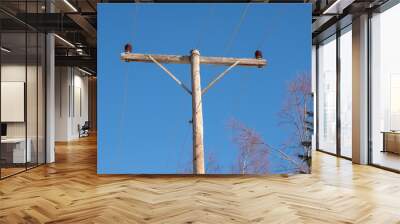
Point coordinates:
pixel 80 84
pixel 33 127
pixel 16 72
pixel 13 101
pixel 71 102
pixel 62 82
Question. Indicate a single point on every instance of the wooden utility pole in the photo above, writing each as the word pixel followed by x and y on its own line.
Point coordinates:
pixel 197 110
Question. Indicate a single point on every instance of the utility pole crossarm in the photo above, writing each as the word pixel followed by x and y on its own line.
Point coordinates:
pixel 163 59
pixel 229 61
pixel 177 59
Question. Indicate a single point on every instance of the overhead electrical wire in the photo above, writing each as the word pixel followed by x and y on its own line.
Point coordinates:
pixel 210 13
pixel 268 29
pixel 237 101
pixel 228 47
pixel 262 42
pixel 181 150
pixel 236 30
pixel 135 19
pixel 126 83
pixel 231 39
pixel 123 110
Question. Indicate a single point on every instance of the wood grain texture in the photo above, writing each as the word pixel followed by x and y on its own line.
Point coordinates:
pixel 184 59
pixel 70 191
pixel 197 115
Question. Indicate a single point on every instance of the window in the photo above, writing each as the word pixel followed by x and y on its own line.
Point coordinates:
pixel 327 95
pixel 346 92
pixel 385 88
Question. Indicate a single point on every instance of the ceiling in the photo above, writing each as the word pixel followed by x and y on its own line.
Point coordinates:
pixel 75 21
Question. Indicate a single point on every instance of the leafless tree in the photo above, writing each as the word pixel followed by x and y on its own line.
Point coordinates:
pixel 186 168
pixel 253 153
pixel 294 108
pixel 211 164
pixel 296 114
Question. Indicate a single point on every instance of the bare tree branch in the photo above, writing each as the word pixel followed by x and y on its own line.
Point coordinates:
pixel 252 154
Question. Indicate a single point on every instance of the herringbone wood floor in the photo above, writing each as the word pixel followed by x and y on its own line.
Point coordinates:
pixel 70 191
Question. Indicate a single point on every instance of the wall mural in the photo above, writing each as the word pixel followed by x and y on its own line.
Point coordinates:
pixel 204 89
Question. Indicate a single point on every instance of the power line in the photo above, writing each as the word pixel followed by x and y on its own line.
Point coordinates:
pixel 201 33
pixel 124 102
pixel 230 42
pixel 262 43
pixel 236 30
pixel 197 116
pixel 183 146
pixel 266 31
pixel 126 84
pixel 135 19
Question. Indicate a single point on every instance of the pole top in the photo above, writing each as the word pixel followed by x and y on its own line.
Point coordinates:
pixel 195 51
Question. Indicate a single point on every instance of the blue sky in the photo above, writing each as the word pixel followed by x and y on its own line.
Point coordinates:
pixel 143 115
